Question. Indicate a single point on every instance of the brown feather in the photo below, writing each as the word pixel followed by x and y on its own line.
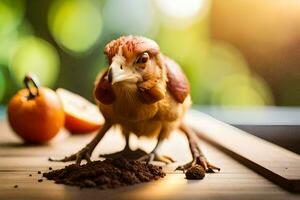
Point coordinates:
pixel 103 91
pixel 151 95
pixel 131 46
pixel 177 82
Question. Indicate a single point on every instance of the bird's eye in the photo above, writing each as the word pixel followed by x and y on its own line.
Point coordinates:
pixel 143 58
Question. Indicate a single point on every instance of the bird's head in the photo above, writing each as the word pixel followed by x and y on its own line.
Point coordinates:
pixel 133 60
pixel 137 68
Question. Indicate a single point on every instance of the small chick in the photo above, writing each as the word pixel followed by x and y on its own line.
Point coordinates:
pixel 147 94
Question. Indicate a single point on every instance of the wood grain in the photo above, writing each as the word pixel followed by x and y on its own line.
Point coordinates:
pixel 273 162
pixel 235 181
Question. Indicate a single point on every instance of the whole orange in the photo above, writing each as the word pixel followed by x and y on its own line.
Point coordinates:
pixel 35 113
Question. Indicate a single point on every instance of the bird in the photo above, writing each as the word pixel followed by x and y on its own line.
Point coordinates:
pixel 145 93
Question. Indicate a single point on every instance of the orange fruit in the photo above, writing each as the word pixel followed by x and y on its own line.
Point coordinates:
pixel 36 113
pixel 81 115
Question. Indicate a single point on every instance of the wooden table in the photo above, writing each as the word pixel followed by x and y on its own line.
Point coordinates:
pixel 235 181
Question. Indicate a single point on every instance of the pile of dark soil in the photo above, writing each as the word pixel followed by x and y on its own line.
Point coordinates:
pixel 110 173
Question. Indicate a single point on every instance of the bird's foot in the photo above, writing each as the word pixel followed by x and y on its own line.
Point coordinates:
pixel 83 154
pixel 199 160
pixel 155 157
pixel 126 153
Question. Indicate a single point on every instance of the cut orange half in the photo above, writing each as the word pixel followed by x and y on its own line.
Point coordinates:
pixel 81 115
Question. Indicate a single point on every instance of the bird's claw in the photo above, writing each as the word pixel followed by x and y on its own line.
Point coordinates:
pixel 155 157
pixel 199 160
pixel 83 154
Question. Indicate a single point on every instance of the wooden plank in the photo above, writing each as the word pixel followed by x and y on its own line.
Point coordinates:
pixel 273 162
pixel 234 181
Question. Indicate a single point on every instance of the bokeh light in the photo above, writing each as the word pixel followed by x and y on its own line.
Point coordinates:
pixel 11 14
pixel 241 90
pixel 181 14
pixel 223 60
pixel 6 47
pixel 34 55
pixel 226 79
pixel 9 42
pixel 2 85
pixel 76 25
pixel 216 44
pixel 179 8
pixel 130 17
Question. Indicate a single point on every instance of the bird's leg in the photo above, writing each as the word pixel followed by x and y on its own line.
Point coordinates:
pixel 86 152
pixel 198 156
pixel 153 156
pixel 126 152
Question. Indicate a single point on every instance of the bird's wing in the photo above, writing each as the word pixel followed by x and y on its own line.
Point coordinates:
pixel 103 91
pixel 177 83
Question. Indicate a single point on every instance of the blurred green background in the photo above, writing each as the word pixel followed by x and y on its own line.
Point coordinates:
pixel 234 52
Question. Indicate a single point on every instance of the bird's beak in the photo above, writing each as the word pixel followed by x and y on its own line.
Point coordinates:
pixel 118 73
